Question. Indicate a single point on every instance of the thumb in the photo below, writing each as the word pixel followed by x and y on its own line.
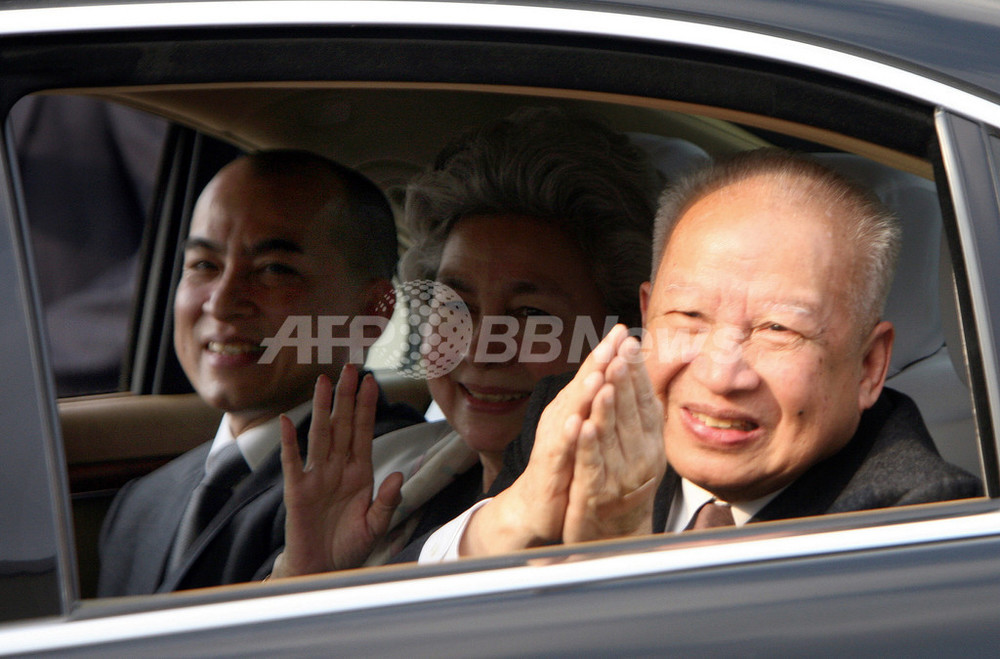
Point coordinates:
pixel 385 503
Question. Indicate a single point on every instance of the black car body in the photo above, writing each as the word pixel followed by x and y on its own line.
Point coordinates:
pixel 914 86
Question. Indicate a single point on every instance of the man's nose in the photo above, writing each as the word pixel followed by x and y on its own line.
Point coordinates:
pixel 721 364
pixel 231 296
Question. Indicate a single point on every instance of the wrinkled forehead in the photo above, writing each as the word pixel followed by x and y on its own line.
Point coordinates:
pixel 757 243
pixel 762 295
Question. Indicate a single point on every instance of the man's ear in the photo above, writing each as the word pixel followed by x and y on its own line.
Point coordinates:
pixel 645 289
pixel 875 363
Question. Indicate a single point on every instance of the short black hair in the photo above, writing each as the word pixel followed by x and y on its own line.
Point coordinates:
pixel 367 228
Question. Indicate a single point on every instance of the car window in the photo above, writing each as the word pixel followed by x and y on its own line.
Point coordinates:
pixel 928 362
pixel 88 169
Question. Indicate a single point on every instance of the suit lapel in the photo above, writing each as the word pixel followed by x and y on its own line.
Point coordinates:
pixel 387 417
pixel 157 545
pixel 663 499
pixel 267 477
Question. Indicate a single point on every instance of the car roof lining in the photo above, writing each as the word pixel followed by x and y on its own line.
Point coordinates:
pixel 182 76
pixel 318 115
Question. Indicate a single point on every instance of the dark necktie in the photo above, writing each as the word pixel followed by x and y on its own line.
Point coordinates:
pixel 227 469
pixel 711 515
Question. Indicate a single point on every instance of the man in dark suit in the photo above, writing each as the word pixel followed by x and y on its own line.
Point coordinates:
pixel 760 379
pixel 275 237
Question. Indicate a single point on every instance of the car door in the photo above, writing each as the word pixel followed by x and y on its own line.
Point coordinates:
pixel 917 579
pixel 35 554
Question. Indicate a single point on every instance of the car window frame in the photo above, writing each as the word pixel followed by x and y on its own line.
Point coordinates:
pixel 46 427
pixel 966 147
pixel 37 574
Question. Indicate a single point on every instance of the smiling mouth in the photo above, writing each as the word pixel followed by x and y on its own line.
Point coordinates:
pixel 221 348
pixel 494 398
pixel 724 424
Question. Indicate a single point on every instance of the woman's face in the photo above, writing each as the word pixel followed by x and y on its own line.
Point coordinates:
pixel 528 279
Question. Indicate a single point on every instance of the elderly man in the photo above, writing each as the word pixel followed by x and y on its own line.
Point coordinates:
pixel 762 382
pixel 274 235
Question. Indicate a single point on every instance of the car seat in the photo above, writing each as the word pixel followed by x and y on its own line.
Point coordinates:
pixel 927 363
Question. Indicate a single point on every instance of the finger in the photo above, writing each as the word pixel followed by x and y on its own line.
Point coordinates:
pixel 639 421
pixel 364 420
pixel 587 470
pixel 342 417
pixel 639 409
pixel 629 428
pixel 385 503
pixel 319 426
pixel 650 409
pixel 553 444
pixel 588 454
pixel 575 398
pixel 603 418
pixel 578 395
pixel 601 355
pixel 291 461
pixel 569 435
pixel 551 461
pixel 590 464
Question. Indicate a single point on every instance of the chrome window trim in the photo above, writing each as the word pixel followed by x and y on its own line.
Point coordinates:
pixel 604 23
pixel 58 634
pixel 957 157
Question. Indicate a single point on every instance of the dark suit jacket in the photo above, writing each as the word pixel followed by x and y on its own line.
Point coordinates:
pixel 890 461
pixel 239 545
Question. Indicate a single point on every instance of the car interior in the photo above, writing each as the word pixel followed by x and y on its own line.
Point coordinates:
pixel 391 132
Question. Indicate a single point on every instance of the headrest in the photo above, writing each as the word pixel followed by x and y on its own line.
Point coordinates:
pixel 913 305
pixel 672 156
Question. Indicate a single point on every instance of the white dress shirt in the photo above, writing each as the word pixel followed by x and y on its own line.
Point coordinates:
pixel 257 443
pixel 690 498
pixel 442 545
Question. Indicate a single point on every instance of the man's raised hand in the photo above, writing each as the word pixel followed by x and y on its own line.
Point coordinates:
pixel 619 459
pixel 332 522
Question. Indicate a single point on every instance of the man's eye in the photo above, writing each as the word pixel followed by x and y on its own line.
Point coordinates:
pixel 200 265
pixel 525 312
pixel 278 269
pixel 778 334
pixel 685 318
pixel 683 322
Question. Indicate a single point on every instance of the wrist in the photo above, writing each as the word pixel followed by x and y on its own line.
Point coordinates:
pixel 278 571
pixel 507 523
pixel 283 567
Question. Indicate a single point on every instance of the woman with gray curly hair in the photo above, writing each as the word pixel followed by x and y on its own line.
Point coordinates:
pixel 540 219
pixel 564 169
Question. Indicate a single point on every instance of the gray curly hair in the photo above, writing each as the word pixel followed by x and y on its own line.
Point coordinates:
pixel 553 165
